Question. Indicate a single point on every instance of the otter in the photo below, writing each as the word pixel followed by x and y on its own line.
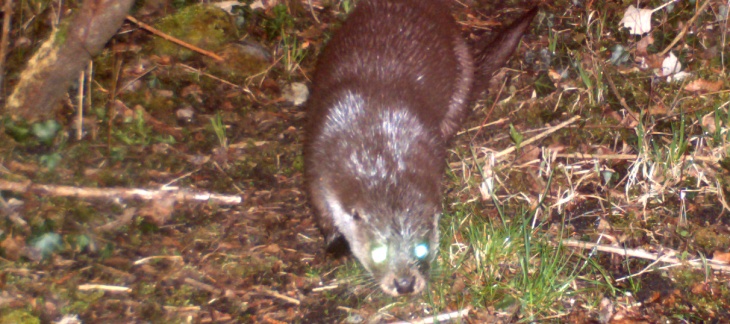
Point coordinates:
pixel 391 88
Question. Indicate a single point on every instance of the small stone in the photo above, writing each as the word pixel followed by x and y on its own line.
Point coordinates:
pixel 296 93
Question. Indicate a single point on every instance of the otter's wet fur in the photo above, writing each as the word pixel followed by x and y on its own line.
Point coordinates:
pixel 391 88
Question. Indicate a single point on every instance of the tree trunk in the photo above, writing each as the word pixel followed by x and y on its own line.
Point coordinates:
pixel 61 57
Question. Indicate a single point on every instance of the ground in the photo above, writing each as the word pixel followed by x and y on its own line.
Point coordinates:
pixel 585 188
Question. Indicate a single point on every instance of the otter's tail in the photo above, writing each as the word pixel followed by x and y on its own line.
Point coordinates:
pixel 491 54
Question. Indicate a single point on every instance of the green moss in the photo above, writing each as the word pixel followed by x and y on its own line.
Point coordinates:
pixel 19 316
pixel 204 26
pixel 240 61
pixel 710 240
pixel 61 34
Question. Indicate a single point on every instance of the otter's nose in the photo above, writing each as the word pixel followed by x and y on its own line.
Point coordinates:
pixel 404 285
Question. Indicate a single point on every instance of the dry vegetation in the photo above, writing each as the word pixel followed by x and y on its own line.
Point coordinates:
pixel 587 187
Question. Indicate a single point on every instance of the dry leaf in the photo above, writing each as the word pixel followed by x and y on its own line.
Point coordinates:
pixel 272 249
pixel 638 21
pixel 721 257
pixel 528 153
pixel 159 211
pixel 12 246
pixel 606 310
pixel 643 44
pixel 554 75
pixel 702 85
pixel 670 65
pixel 708 122
pixel 700 288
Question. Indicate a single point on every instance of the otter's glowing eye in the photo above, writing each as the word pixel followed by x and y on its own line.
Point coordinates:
pixel 379 253
pixel 421 251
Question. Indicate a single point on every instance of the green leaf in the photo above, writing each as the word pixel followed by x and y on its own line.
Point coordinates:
pixel 19 130
pixel 46 131
pixel 48 243
pixel 543 85
pixel 515 135
pixel 50 161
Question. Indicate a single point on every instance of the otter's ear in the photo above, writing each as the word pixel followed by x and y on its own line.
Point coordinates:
pixel 344 219
pixel 358 216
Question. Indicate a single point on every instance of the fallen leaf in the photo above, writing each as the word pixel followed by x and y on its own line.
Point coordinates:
pixel 272 249
pixel 708 122
pixel 670 65
pixel 158 211
pixel 721 256
pixel 700 288
pixel 642 45
pixel 702 85
pixel 12 246
pixel 638 21
pixel 227 6
pixel 606 310
pixel 554 75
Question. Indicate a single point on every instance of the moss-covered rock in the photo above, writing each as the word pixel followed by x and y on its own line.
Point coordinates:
pixel 205 26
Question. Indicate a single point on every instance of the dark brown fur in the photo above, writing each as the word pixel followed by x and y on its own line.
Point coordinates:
pixel 392 87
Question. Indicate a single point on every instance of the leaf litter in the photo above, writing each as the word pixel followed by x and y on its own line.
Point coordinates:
pixel 262 261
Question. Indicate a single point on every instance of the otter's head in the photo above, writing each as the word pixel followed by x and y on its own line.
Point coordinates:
pixel 395 242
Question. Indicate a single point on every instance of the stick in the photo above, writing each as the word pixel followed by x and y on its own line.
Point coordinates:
pixel 642 254
pixel 5 40
pixel 529 141
pixel 280 296
pixel 681 34
pixel 441 318
pixel 105 288
pixel 584 156
pixel 179 195
pixel 157 32
pixel 539 136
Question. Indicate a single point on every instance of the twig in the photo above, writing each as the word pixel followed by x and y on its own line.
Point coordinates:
pixel 179 195
pixel 642 254
pixel 5 40
pixel 80 108
pixel 681 34
pixel 621 99
pixel 162 35
pixel 539 136
pixel 202 286
pixel 185 309
pixel 174 258
pixel 496 122
pixel 125 219
pixel 117 273
pixel 311 10
pixel 529 141
pixel 441 318
pixel 105 288
pixel 708 159
pixel 280 296
pixel 245 89
pixel 491 109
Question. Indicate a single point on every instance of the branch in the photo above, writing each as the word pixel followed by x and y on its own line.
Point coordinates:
pixel 642 254
pixel 178 195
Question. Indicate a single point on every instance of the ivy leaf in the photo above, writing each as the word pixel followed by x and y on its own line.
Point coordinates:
pixel 46 131
pixel 50 161
pixel 19 130
pixel 47 244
